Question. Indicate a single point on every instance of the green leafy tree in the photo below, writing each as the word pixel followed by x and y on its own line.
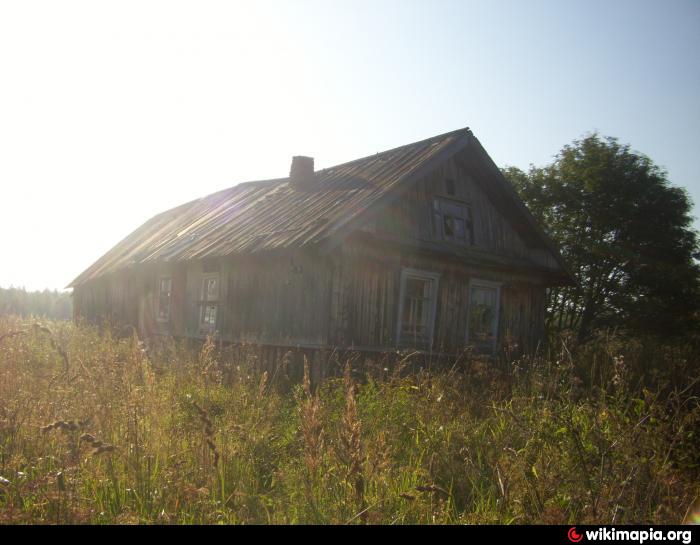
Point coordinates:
pixel 626 235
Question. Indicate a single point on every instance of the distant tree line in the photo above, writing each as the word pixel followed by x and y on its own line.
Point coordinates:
pixel 54 304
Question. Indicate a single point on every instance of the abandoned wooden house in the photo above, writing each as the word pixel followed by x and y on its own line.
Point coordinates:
pixel 425 246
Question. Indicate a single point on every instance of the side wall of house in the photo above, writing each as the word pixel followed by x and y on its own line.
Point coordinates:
pixel 367 268
pixel 281 299
pixel 267 299
pixel 367 287
pixel 348 299
pixel 129 298
pixel 108 299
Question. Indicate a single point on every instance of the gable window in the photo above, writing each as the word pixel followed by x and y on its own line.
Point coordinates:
pixel 452 220
pixel 417 304
pixel 209 303
pixel 165 285
pixel 482 317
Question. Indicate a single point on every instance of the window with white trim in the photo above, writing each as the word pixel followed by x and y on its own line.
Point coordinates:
pixel 209 303
pixel 165 285
pixel 452 220
pixel 417 303
pixel 482 316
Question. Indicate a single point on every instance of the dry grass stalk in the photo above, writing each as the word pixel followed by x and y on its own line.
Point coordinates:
pixel 262 386
pixel 311 424
pixel 55 345
pixel 208 429
pixel 349 450
pixel 208 362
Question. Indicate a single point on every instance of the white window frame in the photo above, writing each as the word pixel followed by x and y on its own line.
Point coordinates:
pixel 478 283
pixel 423 275
pixel 204 302
pixel 159 293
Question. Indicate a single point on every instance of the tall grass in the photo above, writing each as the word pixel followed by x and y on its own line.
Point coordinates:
pixel 98 429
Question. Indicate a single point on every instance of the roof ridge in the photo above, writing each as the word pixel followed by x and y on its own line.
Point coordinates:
pixel 425 140
pixel 239 184
pixel 379 153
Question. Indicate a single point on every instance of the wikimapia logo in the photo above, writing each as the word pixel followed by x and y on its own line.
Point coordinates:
pixel 636 536
pixel 573 535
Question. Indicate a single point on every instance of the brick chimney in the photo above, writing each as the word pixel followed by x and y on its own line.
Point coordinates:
pixel 301 175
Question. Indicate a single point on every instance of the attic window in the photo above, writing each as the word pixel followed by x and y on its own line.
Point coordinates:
pixel 452 220
pixel 165 285
pixel 209 303
pixel 450 187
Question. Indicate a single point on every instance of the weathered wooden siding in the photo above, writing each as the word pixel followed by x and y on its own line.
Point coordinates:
pixel 349 299
pixel 267 299
pixel 365 296
pixel 278 299
pixel 522 315
pixel 411 216
pixel 366 290
pixel 107 299
pixel 130 298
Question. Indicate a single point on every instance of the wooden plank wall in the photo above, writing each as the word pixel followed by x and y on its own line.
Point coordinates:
pixel 412 215
pixel 129 298
pixel 366 290
pixel 365 297
pixel 280 298
pixel 348 299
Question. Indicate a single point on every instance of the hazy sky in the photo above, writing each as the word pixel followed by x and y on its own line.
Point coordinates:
pixel 111 112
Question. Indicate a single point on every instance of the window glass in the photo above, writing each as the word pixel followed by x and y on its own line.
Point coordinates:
pixel 210 315
pixel 211 291
pixel 452 220
pixel 164 296
pixel 483 317
pixel 417 307
pixel 210 302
